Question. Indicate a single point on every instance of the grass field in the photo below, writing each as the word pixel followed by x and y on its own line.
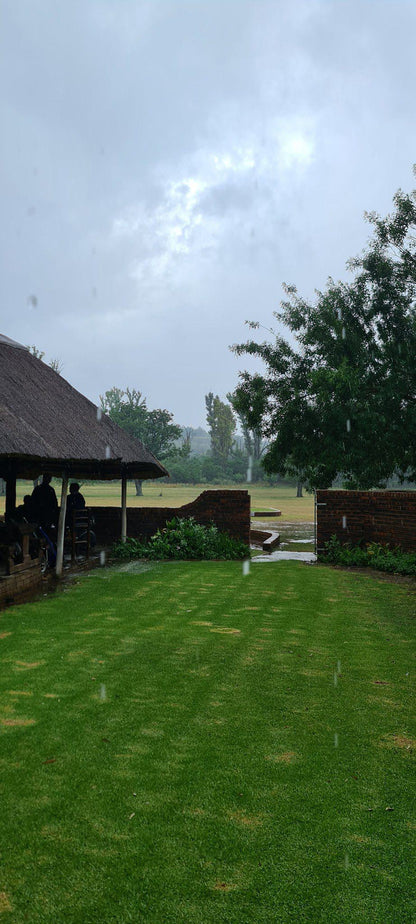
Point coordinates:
pixel 187 744
pixel 282 497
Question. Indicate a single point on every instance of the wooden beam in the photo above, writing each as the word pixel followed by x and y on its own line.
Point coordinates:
pixel 123 508
pixel 61 527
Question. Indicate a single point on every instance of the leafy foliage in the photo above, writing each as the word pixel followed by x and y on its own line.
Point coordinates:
pixel 154 428
pixel 373 555
pixel 251 423
pixel 183 539
pixel 340 396
pixel 204 469
pixel 221 425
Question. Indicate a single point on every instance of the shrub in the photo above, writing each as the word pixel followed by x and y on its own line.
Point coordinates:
pixel 183 539
pixel 124 551
pixel 373 555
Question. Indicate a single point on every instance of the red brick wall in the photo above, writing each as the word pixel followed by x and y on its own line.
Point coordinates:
pixel 370 516
pixel 229 510
pixel 20 587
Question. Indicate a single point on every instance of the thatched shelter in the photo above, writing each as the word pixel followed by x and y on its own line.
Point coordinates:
pixel 47 425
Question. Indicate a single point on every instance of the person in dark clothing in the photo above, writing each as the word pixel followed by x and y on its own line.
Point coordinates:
pixel 74 501
pixel 24 512
pixel 45 509
pixel 24 516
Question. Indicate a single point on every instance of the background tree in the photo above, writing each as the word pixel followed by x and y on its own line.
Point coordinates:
pixel 154 428
pixel 186 441
pixel 341 396
pixel 221 425
pixel 251 424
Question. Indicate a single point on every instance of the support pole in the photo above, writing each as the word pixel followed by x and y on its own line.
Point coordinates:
pixel 61 527
pixel 123 508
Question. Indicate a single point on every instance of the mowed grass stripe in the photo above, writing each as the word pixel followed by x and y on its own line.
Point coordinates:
pixel 192 744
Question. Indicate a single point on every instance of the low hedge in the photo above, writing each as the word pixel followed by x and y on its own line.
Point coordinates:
pixel 373 555
pixel 183 539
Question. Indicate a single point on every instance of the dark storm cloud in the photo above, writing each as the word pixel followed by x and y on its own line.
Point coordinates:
pixel 167 165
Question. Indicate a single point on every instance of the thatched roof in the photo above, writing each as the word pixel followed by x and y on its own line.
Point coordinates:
pixel 46 425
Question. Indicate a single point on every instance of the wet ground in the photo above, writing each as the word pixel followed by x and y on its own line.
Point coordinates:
pixel 297 541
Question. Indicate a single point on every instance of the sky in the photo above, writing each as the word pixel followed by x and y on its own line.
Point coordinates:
pixel 167 166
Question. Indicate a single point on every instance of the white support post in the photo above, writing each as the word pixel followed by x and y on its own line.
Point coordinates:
pixel 123 508
pixel 61 527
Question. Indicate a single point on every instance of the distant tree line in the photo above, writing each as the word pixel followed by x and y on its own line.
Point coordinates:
pixel 192 456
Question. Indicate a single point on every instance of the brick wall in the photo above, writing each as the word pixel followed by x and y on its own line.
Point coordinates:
pixel 229 510
pixel 20 587
pixel 370 516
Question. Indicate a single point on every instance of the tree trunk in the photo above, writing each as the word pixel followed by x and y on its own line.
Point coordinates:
pixel 139 488
pixel 299 489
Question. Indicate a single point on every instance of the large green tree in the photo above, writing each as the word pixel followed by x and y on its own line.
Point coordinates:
pixel 338 397
pixel 154 428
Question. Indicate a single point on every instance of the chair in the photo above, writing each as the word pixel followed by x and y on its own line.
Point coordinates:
pixel 81 532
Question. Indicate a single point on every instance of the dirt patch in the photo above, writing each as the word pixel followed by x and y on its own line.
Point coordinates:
pixel 399 741
pixel 27 665
pixel 5 634
pixel 286 758
pixel 226 630
pixel 18 723
pixel 248 821
pixel 361 839
pixel 224 886
pixel 200 622
pixel 4 903
pixel 20 693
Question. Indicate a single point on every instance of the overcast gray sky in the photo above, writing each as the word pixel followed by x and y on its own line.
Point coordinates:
pixel 167 165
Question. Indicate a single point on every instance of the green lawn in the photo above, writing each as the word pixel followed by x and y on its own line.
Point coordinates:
pixel 188 744
pixel 282 497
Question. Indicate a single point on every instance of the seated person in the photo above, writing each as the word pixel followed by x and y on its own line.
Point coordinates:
pixel 74 501
pixel 45 505
pixel 24 512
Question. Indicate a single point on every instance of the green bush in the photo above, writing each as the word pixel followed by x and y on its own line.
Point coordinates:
pixel 373 555
pixel 183 539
